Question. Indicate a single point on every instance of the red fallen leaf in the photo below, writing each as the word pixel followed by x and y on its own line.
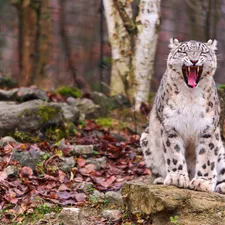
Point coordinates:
pixel 115 170
pixel 141 164
pixel 88 169
pixel 63 187
pixel 18 192
pixel 62 176
pixel 81 162
pixel 64 195
pixel 19 219
pixel 109 138
pixel 6 221
pixel 47 186
pixel 120 179
pixel 80 197
pixel 10 196
pixel 91 125
pixel 26 172
pixel 105 182
pixel 48 177
pixel 66 151
pixel 3 175
pixel 147 172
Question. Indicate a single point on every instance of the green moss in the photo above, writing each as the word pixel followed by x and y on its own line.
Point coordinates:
pixel 24 137
pixel 69 91
pixel 55 134
pixel 38 213
pixel 47 113
pixel 59 132
pixel 105 122
pixel 222 86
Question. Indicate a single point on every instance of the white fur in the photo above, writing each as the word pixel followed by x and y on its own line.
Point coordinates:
pixel 184 141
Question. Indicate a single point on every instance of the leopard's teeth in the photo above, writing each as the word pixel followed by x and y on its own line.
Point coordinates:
pixel 189 69
pixel 197 69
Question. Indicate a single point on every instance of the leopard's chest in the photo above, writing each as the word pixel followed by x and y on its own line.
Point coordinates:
pixel 187 114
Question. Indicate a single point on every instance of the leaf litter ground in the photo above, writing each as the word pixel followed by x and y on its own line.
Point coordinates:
pixel 20 194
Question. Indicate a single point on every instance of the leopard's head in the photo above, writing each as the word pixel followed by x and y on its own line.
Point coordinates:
pixel 192 61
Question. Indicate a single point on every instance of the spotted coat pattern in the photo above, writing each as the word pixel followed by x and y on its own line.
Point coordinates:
pixel 182 145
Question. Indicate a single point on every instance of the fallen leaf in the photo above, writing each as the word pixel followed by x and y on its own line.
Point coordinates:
pixel 26 172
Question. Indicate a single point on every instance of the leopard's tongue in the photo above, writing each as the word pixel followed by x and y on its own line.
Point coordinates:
pixel 192 77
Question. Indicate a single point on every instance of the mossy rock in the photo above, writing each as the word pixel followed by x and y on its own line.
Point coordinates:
pixel 160 204
pixel 69 92
pixel 27 117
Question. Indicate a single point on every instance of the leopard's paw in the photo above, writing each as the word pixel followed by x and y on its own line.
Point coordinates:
pixel 177 179
pixel 220 188
pixel 159 180
pixel 201 184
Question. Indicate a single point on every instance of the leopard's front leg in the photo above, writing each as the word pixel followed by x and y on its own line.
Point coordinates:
pixel 176 165
pixel 205 172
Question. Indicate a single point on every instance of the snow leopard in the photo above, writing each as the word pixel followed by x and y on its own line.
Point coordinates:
pixel 182 145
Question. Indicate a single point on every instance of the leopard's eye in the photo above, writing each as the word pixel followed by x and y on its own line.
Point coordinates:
pixel 180 50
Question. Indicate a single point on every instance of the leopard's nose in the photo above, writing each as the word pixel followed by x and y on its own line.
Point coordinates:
pixel 194 62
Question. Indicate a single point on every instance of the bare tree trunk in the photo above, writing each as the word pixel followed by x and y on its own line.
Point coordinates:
pixel 121 48
pixel 148 22
pixel 133 47
pixel 79 81
pixel 34 34
pixel 42 48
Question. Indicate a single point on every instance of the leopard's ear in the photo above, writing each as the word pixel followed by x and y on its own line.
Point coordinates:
pixel 212 44
pixel 173 43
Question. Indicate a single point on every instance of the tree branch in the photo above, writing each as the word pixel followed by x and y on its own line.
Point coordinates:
pixel 129 24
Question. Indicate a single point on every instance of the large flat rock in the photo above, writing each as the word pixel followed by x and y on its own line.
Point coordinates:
pixel 156 204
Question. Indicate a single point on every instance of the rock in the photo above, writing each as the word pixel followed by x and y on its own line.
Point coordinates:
pixel 105 102
pixel 99 162
pixel 98 194
pixel 9 95
pixel 67 164
pixel 112 214
pixel 72 216
pixel 160 204
pixel 26 94
pixel 114 198
pixel 88 108
pixel 11 171
pixel 96 133
pixel 71 100
pixel 29 116
pixel 82 149
pixel 23 94
pixel 28 158
pixel 85 186
pixel 120 101
pixel 109 103
pixel 6 140
pixel 117 136
pixel 50 216
pixel 69 112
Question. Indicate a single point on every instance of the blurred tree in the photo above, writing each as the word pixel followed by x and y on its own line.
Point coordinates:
pixel 133 42
pixel 79 80
pixel 34 39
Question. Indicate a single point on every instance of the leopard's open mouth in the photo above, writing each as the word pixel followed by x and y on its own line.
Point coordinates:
pixel 192 75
